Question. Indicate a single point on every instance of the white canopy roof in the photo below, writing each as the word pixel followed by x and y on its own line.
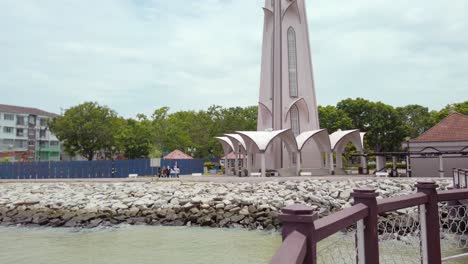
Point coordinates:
pixel 262 139
pixel 320 137
pixel 340 138
pixel 236 138
pixel 227 144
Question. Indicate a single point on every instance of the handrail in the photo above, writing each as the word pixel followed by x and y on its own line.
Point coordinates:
pixel 400 202
pixel 451 195
pixel 293 250
pixel 302 230
pixel 333 223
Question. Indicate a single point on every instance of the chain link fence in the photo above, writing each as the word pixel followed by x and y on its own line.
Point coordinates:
pixel 399 236
pixel 454 231
pixel 339 248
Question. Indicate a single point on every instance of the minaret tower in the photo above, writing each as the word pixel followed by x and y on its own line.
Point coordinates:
pixel 287 92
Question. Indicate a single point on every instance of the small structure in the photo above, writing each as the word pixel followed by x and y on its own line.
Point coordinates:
pixel 338 141
pixel 177 155
pixel 231 159
pixel 442 148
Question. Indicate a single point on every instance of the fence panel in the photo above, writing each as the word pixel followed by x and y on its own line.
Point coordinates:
pixel 186 166
pixel 5 171
pixel 92 169
pixel 454 230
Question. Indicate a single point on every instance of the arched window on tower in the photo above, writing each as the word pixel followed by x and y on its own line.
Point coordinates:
pixel 292 62
pixel 294 116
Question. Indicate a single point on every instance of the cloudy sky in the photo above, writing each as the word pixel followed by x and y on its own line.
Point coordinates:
pixel 138 55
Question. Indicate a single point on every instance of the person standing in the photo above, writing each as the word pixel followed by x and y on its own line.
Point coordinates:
pixel 177 171
pixel 168 171
pixel 172 172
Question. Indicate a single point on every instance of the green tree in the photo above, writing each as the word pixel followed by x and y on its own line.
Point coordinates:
pixel 359 110
pixel 136 138
pixel 416 119
pixel 159 124
pixel 461 108
pixel 333 119
pixel 87 129
pixel 383 125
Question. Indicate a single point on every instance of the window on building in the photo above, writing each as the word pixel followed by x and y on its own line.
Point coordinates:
pixel 43 121
pixel 8 130
pixel 54 143
pixel 32 143
pixel 8 117
pixel 294 116
pixel 20 120
pixel 20 132
pixel 20 143
pixel 43 144
pixel 42 133
pixel 32 132
pixel 292 63
pixel 32 120
pixel 8 142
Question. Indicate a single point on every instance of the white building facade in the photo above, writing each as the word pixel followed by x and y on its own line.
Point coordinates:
pixel 287 91
pixel 24 135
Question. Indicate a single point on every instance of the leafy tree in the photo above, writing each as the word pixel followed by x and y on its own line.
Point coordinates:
pixel 383 125
pixel 416 119
pixel 333 119
pixel 461 108
pixel 359 110
pixel 385 130
pixel 136 138
pixel 160 125
pixel 87 129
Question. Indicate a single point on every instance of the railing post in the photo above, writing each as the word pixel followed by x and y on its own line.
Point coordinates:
pixel 301 218
pixel 432 229
pixel 368 197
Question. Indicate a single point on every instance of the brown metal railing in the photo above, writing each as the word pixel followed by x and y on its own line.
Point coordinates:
pixel 460 178
pixel 301 219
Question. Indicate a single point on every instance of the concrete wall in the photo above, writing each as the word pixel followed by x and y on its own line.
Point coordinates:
pixel 429 167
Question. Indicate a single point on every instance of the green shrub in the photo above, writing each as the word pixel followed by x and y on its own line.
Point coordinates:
pixel 209 165
pixel 6 160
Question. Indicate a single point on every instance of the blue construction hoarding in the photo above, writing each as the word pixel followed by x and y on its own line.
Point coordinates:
pixel 92 169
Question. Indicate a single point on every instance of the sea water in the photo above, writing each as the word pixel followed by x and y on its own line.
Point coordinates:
pixel 136 245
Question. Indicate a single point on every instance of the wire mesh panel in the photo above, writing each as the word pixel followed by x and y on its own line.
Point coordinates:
pixel 399 236
pixel 454 230
pixel 339 248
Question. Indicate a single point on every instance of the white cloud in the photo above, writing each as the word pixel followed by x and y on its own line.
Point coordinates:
pixel 138 55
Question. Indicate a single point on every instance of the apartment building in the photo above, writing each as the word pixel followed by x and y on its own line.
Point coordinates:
pixel 24 134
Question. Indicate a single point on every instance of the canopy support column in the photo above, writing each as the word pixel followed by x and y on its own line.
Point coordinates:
pixel 226 165
pixel 249 163
pixel 339 160
pixel 263 164
pixel 332 166
pixel 298 163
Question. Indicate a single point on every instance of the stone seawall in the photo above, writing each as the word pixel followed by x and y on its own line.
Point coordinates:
pixel 247 205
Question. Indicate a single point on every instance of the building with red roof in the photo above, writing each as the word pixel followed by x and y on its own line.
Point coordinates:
pixel 439 150
pixel 177 155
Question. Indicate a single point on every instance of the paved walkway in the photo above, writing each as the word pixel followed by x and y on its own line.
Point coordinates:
pixel 220 179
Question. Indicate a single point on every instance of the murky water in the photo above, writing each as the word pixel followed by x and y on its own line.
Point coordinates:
pixel 175 245
pixel 136 245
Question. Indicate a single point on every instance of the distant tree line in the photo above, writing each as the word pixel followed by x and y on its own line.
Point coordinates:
pixel 90 128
